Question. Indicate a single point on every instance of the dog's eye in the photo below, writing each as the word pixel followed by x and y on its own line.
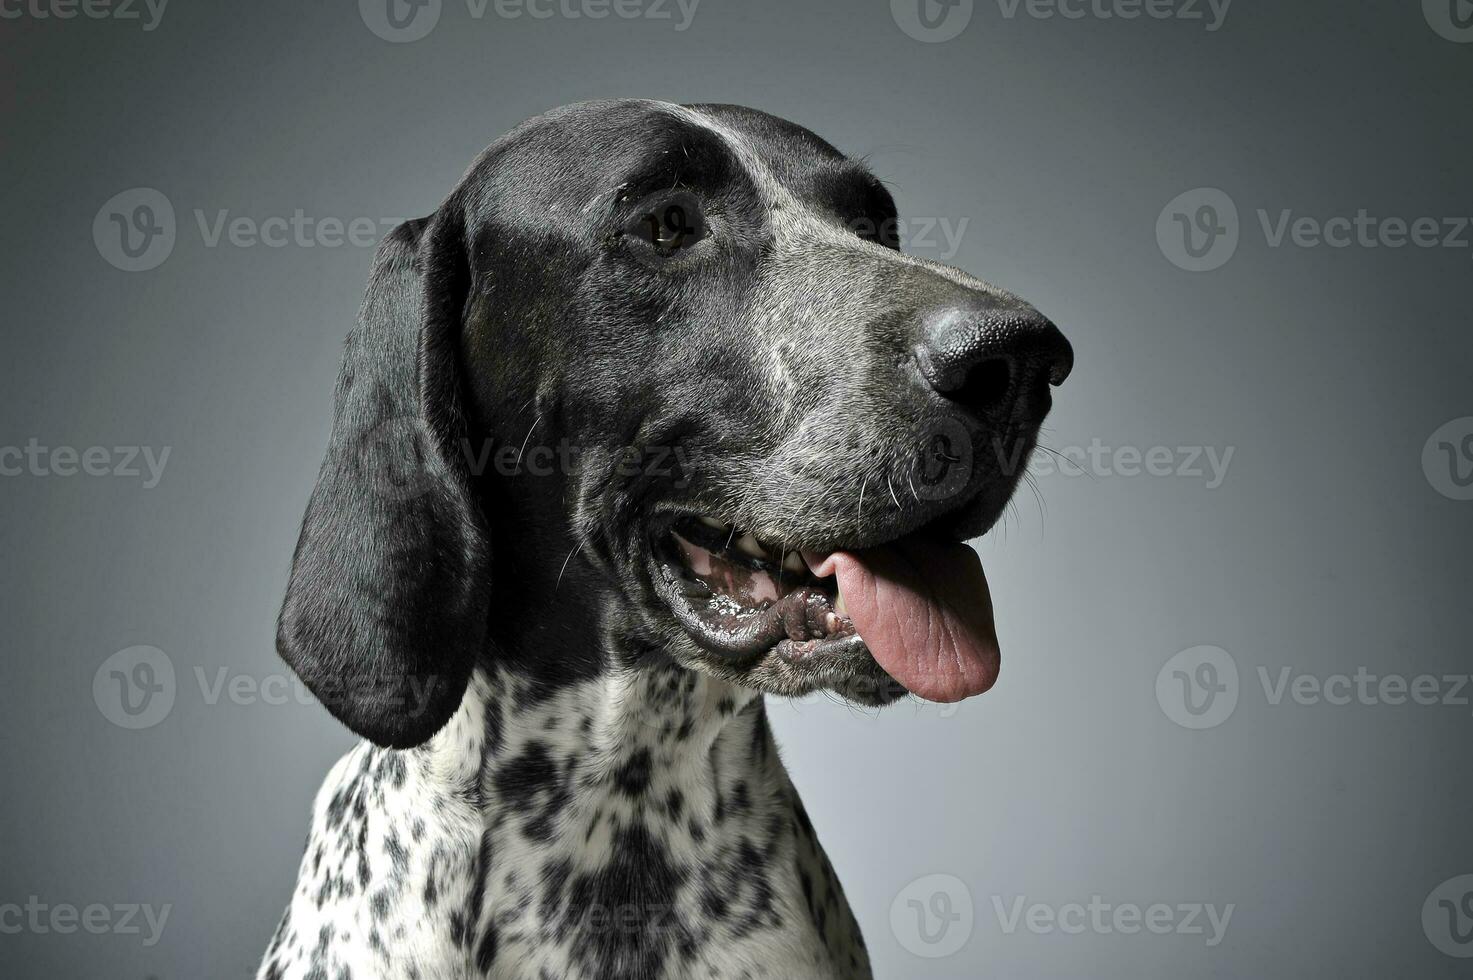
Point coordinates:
pixel 670 224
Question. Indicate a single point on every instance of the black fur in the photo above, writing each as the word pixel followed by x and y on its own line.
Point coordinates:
pixel 386 608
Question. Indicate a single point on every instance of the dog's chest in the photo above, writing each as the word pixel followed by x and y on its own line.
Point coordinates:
pixel 640 828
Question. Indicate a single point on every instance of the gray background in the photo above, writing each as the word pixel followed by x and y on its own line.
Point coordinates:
pixel 1326 547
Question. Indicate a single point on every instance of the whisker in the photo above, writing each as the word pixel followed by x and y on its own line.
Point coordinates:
pixel 1037 496
pixel 527 439
pixel 1065 459
pixel 576 548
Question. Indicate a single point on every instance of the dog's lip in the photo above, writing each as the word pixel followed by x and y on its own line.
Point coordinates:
pixel 800 651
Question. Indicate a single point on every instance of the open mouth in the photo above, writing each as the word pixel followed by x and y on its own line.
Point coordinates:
pixel 918 606
pixel 742 596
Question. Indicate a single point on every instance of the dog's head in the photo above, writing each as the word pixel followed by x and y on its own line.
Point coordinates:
pixel 671 365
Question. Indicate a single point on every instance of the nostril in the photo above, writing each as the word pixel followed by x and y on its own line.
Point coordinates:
pixel 986 385
pixel 994 355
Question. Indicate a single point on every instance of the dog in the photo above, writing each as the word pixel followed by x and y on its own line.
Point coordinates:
pixel 764 436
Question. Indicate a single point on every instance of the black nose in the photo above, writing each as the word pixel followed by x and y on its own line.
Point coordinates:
pixel 994 355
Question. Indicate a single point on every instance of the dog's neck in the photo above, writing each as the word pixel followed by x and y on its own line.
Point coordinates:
pixel 627 738
pixel 628 794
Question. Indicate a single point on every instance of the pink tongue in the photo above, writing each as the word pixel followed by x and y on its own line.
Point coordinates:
pixel 924 610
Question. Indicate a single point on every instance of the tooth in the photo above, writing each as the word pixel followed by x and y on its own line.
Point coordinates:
pixel 713 523
pixel 748 545
pixel 831 623
pixel 793 562
pixel 839 606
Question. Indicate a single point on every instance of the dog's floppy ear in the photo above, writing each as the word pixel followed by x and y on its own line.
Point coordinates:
pixel 386 607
